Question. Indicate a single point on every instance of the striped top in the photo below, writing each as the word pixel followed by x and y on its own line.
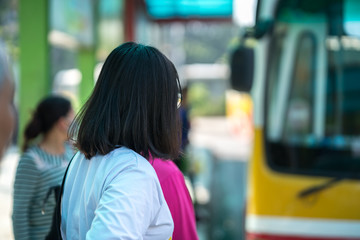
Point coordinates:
pixel 36 173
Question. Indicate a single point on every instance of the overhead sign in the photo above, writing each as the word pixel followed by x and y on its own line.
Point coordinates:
pixel 185 9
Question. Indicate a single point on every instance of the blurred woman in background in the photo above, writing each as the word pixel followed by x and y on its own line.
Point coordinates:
pixel 41 168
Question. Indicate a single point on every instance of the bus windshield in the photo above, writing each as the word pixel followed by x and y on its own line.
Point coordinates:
pixel 312 104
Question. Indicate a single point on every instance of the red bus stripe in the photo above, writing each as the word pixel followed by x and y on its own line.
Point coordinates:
pixel 260 236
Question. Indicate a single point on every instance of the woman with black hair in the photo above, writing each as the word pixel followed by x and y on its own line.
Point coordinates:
pixel 41 167
pixel 111 191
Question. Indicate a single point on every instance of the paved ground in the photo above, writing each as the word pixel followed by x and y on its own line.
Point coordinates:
pixel 7 173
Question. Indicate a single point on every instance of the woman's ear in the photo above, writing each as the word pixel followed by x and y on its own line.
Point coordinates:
pixel 65 122
pixel 62 124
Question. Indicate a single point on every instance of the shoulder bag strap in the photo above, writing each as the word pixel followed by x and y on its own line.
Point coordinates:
pixel 55 231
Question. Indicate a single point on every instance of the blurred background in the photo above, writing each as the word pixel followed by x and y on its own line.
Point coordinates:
pixel 271 95
pixel 58 46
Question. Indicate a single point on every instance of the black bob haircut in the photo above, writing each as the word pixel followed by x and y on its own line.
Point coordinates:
pixel 133 104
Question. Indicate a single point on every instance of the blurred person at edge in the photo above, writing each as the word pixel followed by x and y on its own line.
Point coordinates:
pixel 41 167
pixel 178 199
pixel 7 109
pixel 111 191
pixel 183 162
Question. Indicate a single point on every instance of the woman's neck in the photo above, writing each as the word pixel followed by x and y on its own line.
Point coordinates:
pixel 53 143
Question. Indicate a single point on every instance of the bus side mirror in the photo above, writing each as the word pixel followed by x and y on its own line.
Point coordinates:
pixel 242 68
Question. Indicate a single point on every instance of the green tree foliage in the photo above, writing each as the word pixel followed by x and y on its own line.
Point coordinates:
pixel 203 103
pixel 208 42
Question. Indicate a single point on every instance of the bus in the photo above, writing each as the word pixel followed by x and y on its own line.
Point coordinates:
pixel 303 74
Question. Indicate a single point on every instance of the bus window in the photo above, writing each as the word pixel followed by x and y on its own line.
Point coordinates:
pixel 298 122
pixel 274 71
pixel 290 140
pixel 343 87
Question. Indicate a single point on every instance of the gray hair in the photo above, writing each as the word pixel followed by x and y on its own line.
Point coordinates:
pixel 4 65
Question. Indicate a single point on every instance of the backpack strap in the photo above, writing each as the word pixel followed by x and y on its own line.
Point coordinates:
pixel 55 231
